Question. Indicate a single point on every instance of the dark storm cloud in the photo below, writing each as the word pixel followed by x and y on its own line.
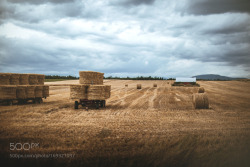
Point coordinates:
pixel 134 2
pixel 39 1
pixel 206 7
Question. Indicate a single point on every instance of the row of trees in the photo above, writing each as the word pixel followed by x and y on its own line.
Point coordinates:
pixel 110 77
pixel 135 78
pixel 60 77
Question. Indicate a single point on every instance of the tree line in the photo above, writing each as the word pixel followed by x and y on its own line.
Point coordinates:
pixel 110 77
pixel 135 78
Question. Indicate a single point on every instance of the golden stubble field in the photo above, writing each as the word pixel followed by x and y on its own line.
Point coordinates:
pixel 147 127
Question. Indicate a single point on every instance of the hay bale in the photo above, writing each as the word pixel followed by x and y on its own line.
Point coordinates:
pixel 99 92
pixel 138 86
pixel 23 79
pixel 201 90
pixel 39 91
pixel 40 79
pixel 7 92
pixel 30 91
pixel 33 79
pixel 200 101
pixel 126 85
pixel 14 79
pixel 21 92
pixel 45 91
pixel 91 77
pixel 78 91
pixel 155 85
pixel 4 79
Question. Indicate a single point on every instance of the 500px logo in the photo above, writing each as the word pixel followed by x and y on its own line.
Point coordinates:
pixel 23 146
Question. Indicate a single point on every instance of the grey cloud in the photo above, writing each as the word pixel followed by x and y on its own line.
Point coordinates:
pixel 39 1
pixel 206 7
pixel 134 2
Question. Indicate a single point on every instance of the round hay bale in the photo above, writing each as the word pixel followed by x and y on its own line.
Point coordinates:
pixel 21 92
pixel 40 79
pixel 138 86
pixel 155 85
pixel 33 79
pixel 14 79
pixel 200 101
pixel 23 79
pixel 4 79
pixel 39 91
pixel 7 92
pixel 45 91
pixel 78 91
pixel 126 85
pixel 91 77
pixel 30 91
pixel 201 90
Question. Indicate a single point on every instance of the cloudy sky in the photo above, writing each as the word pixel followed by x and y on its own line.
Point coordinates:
pixel 126 37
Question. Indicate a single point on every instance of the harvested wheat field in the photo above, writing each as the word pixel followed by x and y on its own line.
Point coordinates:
pixel 152 126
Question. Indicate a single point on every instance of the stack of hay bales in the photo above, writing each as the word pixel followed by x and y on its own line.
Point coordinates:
pixel 200 99
pixel 91 87
pixel 91 77
pixel 22 86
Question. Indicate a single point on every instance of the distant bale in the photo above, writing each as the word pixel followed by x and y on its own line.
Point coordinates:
pixel 7 92
pixel 24 79
pixel 91 77
pixel 40 79
pixel 78 91
pixel 201 90
pixel 33 79
pixel 14 79
pixel 138 86
pixel 155 85
pixel 30 91
pixel 167 82
pixel 4 79
pixel 39 91
pixel 45 91
pixel 126 85
pixel 21 92
pixel 200 101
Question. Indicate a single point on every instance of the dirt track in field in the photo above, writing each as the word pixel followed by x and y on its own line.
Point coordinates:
pixel 139 127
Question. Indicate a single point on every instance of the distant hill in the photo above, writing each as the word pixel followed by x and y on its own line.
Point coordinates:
pixel 215 77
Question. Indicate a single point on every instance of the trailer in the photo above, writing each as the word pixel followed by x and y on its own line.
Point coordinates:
pixel 10 102
pixel 90 103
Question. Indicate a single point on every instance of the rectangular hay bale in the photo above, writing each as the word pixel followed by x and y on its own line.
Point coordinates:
pixel 7 92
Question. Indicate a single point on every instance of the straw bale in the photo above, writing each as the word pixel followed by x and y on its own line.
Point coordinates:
pixel 138 86
pixel 201 90
pixel 91 77
pixel 4 79
pixel 200 101
pixel 7 92
pixel 126 85
pixel 24 79
pixel 21 91
pixel 14 79
pixel 30 91
pixel 39 91
pixel 155 85
pixel 40 79
pixel 99 92
pixel 45 91
pixel 33 79
pixel 78 91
